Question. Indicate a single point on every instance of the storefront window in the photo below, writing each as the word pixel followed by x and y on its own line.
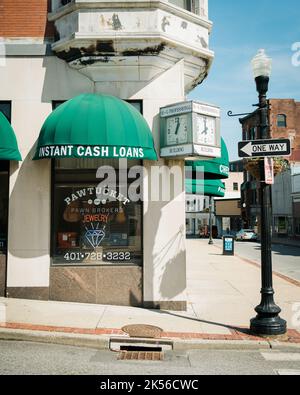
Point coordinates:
pixel 282 225
pixel 94 225
pixel 195 6
pixel 4 165
pixel 297 226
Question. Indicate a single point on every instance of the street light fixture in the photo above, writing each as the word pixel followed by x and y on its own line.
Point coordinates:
pixel 267 322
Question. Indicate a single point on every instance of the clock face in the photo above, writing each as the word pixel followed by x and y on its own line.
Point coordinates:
pixel 205 130
pixel 177 130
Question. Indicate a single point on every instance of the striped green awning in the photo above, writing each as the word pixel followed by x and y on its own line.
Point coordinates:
pixel 96 126
pixel 216 169
pixel 8 143
pixel 214 188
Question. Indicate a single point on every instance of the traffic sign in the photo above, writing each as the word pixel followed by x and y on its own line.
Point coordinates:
pixel 269 171
pixel 263 148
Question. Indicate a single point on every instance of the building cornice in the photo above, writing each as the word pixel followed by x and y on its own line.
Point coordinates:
pixel 137 4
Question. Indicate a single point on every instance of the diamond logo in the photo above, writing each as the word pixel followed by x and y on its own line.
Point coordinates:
pixel 94 236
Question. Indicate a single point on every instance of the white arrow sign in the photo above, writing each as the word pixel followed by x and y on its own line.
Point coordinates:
pixel 247 149
pixel 262 148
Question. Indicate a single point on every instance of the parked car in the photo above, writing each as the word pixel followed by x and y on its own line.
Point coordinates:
pixel 246 234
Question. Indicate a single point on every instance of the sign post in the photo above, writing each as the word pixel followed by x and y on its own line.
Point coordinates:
pixel 269 171
pixel 264 148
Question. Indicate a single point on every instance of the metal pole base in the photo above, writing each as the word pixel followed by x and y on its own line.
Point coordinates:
pixel 268 326
pixel 210 242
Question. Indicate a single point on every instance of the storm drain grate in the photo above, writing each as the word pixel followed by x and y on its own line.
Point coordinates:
pixel 136 353
pixel 141 356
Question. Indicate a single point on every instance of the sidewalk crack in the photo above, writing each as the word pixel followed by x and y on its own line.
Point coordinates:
pixel 98 323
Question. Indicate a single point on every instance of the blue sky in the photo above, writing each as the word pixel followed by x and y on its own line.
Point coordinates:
pixel 240 28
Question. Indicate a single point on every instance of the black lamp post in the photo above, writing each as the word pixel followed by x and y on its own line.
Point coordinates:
pixel 267 322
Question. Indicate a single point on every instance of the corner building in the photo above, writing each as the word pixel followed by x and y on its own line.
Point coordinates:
pixel 92 61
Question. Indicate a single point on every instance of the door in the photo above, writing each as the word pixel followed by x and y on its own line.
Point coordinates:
pixel 4 171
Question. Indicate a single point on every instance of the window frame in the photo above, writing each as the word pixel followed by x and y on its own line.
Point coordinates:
pixel 283 122
pixel 9 103
pixel 55 104
pixel 236 186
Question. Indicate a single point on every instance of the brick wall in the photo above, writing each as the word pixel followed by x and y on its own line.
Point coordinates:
pixel 291 109
pixel 25 18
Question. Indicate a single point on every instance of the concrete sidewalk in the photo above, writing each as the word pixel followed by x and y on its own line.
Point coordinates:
pixel 222 295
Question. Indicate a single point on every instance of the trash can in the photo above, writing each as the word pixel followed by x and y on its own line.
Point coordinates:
pixel 228 245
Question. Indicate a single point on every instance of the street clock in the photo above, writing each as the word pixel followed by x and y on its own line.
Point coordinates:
pixel 190 130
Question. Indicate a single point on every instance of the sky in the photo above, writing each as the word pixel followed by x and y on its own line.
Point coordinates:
pixel 240 28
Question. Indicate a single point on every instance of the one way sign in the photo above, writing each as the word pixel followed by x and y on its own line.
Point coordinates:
pixel 263 148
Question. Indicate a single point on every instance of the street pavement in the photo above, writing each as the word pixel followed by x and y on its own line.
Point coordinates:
pixel 286 259
pixel 222 292
pixel 21 358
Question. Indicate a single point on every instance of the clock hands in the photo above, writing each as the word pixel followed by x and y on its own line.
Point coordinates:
pixel 205 126
pixel 177 126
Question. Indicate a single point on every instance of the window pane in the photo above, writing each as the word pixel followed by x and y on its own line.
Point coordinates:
pixel 137 104
pixel 93 225
pixel 5 108
pixel 281 120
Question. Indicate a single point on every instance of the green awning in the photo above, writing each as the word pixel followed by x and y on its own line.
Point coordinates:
pixel 8 143
pixel 214 188
pixel 95 126
pixel 214 169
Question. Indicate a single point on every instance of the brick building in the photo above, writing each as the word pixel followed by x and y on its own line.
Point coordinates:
pixel 284 121
pixel 26 19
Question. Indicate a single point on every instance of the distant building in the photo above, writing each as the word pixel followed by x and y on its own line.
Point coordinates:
pixel 282 204
pixel 200 193
pixel 284 121
pixel 197 214
pixel 228 210
pixel 296 199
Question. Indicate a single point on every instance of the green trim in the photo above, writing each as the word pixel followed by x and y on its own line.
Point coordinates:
pixel 214 188
pixel 95 126
pixel 8 143
pixel 216 169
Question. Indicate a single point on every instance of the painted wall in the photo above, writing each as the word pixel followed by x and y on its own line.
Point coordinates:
pixel 160 78
pixel 31 84
pixel 237 178
pixel 282 195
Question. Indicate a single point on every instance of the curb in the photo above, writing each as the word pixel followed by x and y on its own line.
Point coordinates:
pixel 102 342
pixel 182 345
pixel 67 339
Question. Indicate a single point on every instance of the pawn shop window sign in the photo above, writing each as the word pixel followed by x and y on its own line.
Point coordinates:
pixel 103 194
